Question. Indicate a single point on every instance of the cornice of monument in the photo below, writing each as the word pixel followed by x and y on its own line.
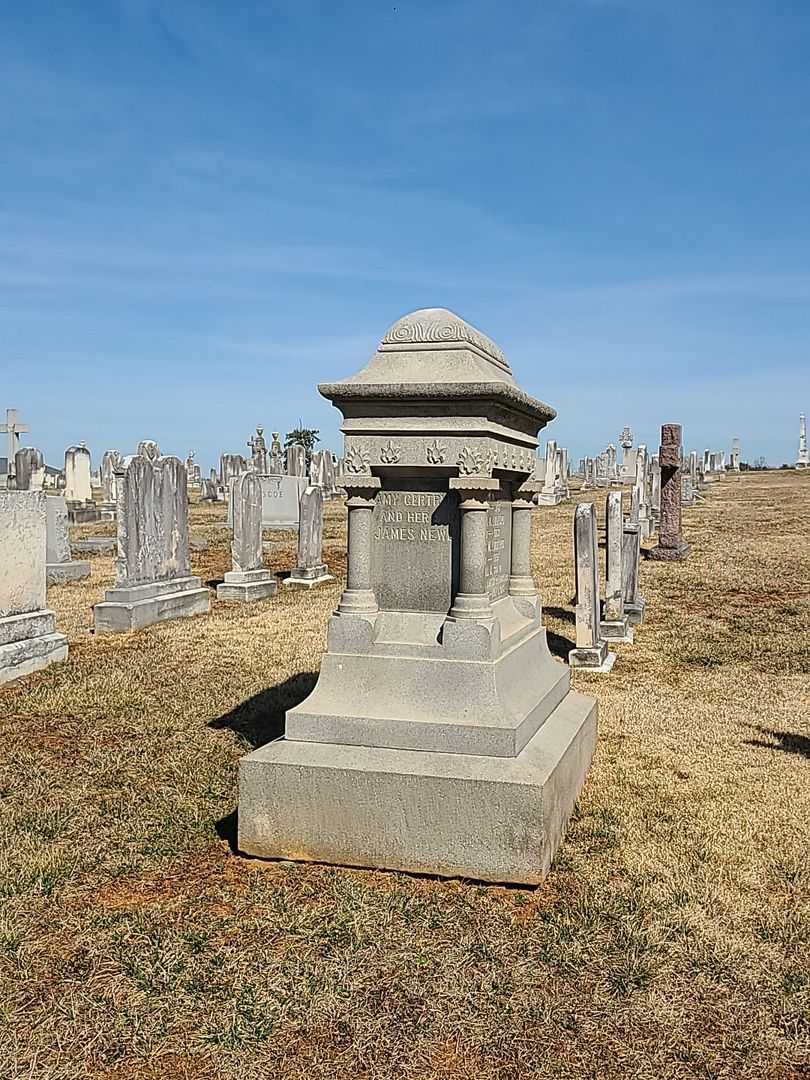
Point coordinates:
pixel 434 354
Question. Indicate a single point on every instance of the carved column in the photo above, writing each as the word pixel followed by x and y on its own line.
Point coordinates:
pixel 521 582
pixel 358 598
pixel 472 602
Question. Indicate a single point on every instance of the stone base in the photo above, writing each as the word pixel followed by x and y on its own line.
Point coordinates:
pixel 97 545
pixel 83 515
pixel 246 586
pixel 308 577
pixel 545 498
pixel 617 630
pixel 597 659
pixel 635 611
pixel 60 572
pixel 455 815
pixel 109 511
pixel 29 643
pixel 667 554
pixel 135 606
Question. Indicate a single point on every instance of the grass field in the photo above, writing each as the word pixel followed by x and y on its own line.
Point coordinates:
pixel 671 939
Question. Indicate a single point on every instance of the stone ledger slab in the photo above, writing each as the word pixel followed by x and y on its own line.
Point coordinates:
pixel 133 607
pixel 455 815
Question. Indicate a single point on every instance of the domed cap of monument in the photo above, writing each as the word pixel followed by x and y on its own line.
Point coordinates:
pixel 434 353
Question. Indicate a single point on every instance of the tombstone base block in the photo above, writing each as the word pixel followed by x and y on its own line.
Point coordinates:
pixel 308 577
pixel 245 586
pixel 668 554
pixel 453 815
pixel 29 643
pixel 545 498
pixel 597 660
pixel 79 514
pixel 135 606
pixel 60 572
pixel 635 611
pixel 618 630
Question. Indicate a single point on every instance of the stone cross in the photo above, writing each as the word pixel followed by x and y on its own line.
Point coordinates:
pixel 311 569
pixel 614 621
pixel 591 649
pixel 12 429
pixel 248 580
pixel 671 545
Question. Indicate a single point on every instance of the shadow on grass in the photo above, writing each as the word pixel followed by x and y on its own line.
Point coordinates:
pixel 563 614
pixel 560 646
pixel 260 719
pixel 788 741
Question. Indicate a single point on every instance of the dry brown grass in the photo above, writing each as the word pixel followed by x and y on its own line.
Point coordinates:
pixel 670 940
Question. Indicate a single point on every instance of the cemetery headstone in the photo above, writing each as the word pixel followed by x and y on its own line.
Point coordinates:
pixel 615 623
pixel 550 494
pixel 230 465
pixel 153 576
pixel 311 570
pixel 60 566
pixel 440 717
pixel 28 637
pixel 110 462
pixel 277 460
pixel 671 545
pixel 296 461
pixel 281 501
pixel 248 580
pixel 803 460
pixel 591 649
pixel 634 602
pixel 29 469
pixel 78 490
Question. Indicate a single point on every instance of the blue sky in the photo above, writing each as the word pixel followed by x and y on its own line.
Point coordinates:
pixel 207 208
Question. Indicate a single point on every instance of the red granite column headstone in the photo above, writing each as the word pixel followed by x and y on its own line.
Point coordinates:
pixel 671 545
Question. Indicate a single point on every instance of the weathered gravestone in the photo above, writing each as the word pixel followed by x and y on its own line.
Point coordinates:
pixel 248 580
pixel 441 736
pixel 78 490
pixel 296 461
pixel 634 602
pixel 803 459
pixel 615 622
pixel 591 649
pixel 60 566
pixel 311 570
pixel 153 577
pixel 671 546
pixel 29 469
pixel 276 463
pixel 28 637
pixel 281 498
pixel 230 465
pixel 550 494
pixel 110 462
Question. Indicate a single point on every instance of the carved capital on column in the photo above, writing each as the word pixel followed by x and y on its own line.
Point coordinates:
pixel 361 490
pixel 473 490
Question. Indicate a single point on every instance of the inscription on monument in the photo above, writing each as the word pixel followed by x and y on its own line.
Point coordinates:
pixel 499 540
pixel 414 557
